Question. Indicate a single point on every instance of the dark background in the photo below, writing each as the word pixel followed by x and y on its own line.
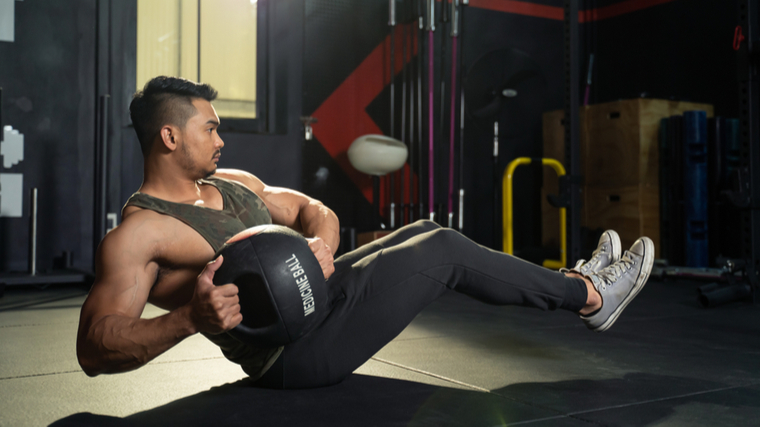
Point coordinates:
pixel 66 54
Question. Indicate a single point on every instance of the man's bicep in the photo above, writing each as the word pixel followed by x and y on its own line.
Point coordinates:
pixel 124 277
pixel 284 204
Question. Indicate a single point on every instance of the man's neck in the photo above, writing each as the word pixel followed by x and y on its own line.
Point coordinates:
pixel 164 182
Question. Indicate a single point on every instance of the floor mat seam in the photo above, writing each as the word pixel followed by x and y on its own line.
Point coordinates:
pixel 37 324
pixel 77 371
pixel 474 387
pixel 662 399
pixel 430 374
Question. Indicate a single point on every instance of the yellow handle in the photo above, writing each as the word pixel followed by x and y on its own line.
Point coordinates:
pixel 508 218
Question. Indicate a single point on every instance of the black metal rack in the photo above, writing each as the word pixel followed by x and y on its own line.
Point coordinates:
pixel 572 128
pixel 749 184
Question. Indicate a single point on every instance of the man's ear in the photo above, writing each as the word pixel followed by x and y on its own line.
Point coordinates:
pixel 169 137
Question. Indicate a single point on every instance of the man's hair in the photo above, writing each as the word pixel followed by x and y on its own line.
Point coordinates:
pixel 165 100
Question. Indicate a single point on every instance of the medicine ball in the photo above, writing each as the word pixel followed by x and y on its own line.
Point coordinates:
pixel 280 284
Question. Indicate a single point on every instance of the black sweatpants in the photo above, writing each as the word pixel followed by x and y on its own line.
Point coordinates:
pixel 378 289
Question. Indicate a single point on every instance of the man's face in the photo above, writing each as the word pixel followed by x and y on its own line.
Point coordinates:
pixel 201 147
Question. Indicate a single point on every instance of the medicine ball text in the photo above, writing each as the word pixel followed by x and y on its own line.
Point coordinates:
pixel 303 284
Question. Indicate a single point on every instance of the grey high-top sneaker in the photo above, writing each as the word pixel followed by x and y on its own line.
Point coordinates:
pixel 620 282
pixel 607 252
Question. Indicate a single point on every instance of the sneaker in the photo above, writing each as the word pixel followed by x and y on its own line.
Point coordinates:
pixel 607 252
pixel 620 282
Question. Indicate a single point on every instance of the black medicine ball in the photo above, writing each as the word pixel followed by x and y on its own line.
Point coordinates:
pixel 280 284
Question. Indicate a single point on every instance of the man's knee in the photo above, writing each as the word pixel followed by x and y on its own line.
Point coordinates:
pixel 426 225
pixel 442 239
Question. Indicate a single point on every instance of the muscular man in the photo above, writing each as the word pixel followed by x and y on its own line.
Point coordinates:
pixel 186 209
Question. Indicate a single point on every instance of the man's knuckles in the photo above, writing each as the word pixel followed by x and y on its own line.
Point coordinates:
pixel 236 320
pixel 224 291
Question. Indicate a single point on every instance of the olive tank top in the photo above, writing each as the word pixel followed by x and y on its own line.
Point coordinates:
pixel 242 209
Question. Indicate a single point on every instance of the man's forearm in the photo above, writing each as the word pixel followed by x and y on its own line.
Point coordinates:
pixel 117 343
pixel 317 220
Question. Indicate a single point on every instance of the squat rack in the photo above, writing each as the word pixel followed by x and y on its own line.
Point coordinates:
pixel 748 193
pixel 570 188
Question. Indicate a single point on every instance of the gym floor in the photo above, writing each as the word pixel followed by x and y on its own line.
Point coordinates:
pixel 667 361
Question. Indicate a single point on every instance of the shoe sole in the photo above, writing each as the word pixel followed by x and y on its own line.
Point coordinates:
pixel 641 280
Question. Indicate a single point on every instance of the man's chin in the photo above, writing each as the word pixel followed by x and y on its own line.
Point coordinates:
pixel 208 174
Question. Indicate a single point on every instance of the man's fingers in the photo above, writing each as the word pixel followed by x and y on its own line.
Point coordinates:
pixel 231 317
pixel 227 290
pixel 226 314
pixel 236 320
pixel 316 244
pixel 323 254
pixel 327 272
pixel 328 265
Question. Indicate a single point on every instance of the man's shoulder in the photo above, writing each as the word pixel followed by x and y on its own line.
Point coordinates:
pixel 134 216
pixel 232 174
pixel 242 177
pixel 142 231
pixel 135 235
pixel 141 227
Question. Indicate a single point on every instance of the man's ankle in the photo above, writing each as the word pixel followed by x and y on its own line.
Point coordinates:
pixel 593 301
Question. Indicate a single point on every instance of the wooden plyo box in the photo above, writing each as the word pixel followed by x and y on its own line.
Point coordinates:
pixel 633 211
pixel 620 164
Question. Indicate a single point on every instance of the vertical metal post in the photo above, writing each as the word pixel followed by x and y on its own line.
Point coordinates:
pixel 376 201
pixel 750 125
pixel 411 122
pixel 392 24
pixel 431 79
pixel 402 172
pixel 461 119
pixel 444 19
pixel 496 187
pixel 2 132
pixel 101 170
pixel 452 119
pixel 572 125
pixel 420 133
pixel 33 233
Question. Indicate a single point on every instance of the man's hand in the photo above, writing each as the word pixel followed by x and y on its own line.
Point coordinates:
pixel 324 255
pixel 214 309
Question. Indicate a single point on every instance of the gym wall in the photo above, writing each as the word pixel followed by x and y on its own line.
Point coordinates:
pixel 669 49
pixel 348 42
pixel 66 54
pixel 48 80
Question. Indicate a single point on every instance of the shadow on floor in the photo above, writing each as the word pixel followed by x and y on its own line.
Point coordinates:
pixel 366 401
pixel 639 399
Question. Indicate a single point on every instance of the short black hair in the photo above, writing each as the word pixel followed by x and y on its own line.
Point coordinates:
pixel 165 100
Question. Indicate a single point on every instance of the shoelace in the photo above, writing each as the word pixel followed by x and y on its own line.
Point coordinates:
pixel 602 250
pixel 594 260
pixel 615 271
